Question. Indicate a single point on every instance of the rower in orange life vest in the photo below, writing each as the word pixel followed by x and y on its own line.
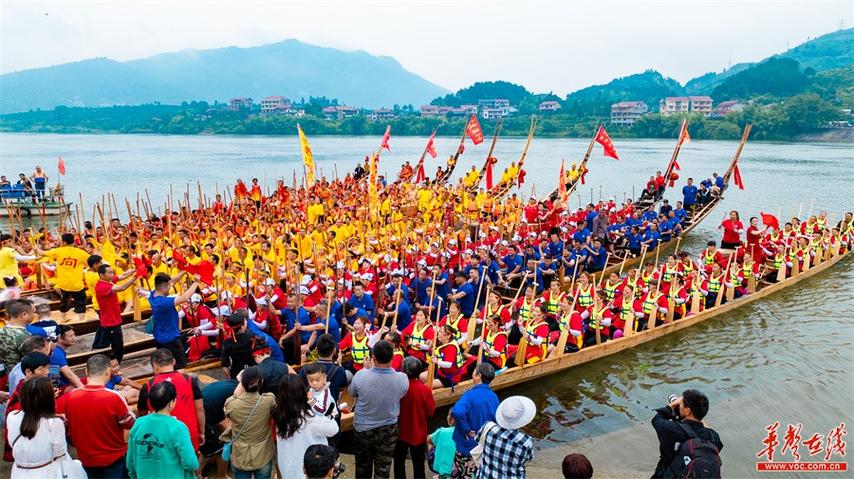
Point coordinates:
pixel 611 288
pixel 457 321
pixel 493 307
pixel 601 317
pixel 537 334
pixel 654 306
pixel 255 193
pixel 357 342
pixel 668 271
pixel 448 359
pixel 419 337
pixel 629 311
pixel 711 256
pixel 495 343
pixel 713 285
pixel 525 308
pixel 567 320
pixel 583 295
pixel 679 295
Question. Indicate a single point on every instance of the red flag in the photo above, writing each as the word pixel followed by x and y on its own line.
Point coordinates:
pixel 561 185
pixel 684 137
pixel 736 177
pixel 474 131
pixel 770 220
pixel 489 162
pixel 521 177
pixel 676 166
pixel 387 135
pixel 431 150
pixel 419 175
pixel 61 167
pixel 603 139
pixel 140 267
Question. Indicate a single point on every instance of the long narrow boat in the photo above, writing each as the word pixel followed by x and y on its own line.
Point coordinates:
pixel 554 364
pixel 616 263
pixel 501 190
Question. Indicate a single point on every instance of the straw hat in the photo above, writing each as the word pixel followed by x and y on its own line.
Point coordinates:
pixel 515 412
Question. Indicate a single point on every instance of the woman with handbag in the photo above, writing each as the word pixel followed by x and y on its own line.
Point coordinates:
pixel 37 436
pixel 160 442
pixel 298 426
pixel 251 448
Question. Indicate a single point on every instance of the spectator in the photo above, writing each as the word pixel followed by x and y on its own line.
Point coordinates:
pixel 335 374
pixel 319 462
pixel 297 425
pixel 214 396
pixel 189 408
pixel 250 412
pixel 158 442
pixel 676 424
pixel 470 413
pixel 59 359
pixel 37 434
pixel 576 466
pixel 20 313
pixel 415 407
pixel 377 392
pixel 442 444
pixel 237 347
pixel 31 344
pixel 272 370
pixel 506 449
pixel 97 421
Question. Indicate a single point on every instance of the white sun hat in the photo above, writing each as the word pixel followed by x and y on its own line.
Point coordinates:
pixel 515 412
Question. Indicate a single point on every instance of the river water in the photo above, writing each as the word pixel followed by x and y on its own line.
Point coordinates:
pixel 786 358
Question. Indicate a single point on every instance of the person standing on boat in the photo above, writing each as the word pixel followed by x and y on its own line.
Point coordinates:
pixel 689 195
pixel 110 312
pixel 164 316
pixel 70 262
pixel 733 228
pixel 39 181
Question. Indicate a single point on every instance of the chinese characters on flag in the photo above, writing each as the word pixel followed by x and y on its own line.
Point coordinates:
pixel 474 131
pixel 603 139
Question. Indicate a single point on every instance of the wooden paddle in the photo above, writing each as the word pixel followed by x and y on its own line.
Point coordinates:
pixel 472 319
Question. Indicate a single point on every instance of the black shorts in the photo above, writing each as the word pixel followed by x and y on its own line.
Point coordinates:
pixel 175 347
pixel 445 381
pixel 77 297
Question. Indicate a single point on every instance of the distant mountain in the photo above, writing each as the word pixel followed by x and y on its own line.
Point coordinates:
pixel 777 76
pixel 649 86
pixel 289 68
pixel 826 52
pixel 481 90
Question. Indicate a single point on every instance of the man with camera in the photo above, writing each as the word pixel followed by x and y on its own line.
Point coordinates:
pixel 687 447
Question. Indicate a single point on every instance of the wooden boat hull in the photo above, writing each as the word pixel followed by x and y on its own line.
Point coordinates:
pixel 31 210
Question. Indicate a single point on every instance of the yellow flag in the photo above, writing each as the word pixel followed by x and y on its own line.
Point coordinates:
pixel 307 158
pixel 373 197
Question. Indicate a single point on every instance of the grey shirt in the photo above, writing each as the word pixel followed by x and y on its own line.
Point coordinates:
pixel 377 392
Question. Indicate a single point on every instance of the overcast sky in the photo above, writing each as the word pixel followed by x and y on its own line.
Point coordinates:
pixel 546 46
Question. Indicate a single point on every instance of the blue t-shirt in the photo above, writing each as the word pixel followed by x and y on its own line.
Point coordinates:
pixel 275 350
pixel 467 301
pixel 304 320
pixel 404 316
pixel 164 318
pixel 443 289
pixel 366 302
pixel 59 359
pixel 689 195
pixel 422 290
pixel 598 260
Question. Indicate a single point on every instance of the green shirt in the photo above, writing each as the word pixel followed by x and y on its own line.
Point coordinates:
pixel 160 443
pixel 443 457
pixel 11 338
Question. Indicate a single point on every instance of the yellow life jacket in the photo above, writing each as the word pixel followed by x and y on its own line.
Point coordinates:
pixel 715 284
pixel 489 342
pixel 585 298
pixel 417 338
pixel 650 304
pixel 708 259
pixel 611 291
pixel 359 349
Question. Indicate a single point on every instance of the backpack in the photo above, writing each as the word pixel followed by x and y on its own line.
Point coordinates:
pixel 696 457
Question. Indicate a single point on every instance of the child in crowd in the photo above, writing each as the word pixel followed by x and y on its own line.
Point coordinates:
pixel 441 450
pixel 320 398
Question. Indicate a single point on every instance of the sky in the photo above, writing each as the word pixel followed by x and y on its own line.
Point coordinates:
pixel 543 45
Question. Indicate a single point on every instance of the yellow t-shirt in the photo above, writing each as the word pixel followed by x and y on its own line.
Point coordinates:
pixel 8 263
pixel 70 262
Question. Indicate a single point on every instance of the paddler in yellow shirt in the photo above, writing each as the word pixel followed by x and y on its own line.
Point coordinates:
pixel 70 262
pixel 9 258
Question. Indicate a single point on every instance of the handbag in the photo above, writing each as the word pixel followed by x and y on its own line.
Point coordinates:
pixel 477 451
pixel 226 448
pixel 71 468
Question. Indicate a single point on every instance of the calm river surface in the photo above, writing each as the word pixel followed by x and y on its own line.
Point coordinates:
pixel 787 358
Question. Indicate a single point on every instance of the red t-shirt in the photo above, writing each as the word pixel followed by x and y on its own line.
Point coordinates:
pixel 97 418
pixel 188 391
pixel 110 311
pixel 415 407
pixel 731 234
